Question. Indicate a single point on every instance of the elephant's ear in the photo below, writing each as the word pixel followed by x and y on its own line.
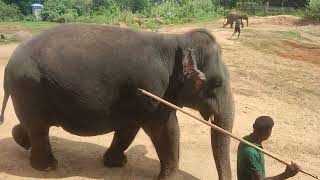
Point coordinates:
pixel 190 68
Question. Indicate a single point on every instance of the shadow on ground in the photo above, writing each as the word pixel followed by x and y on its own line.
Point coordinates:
pixel 79 159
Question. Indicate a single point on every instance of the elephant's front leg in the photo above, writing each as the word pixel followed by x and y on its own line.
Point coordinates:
pixel 221 148
pixel 165 135
pixel 114 156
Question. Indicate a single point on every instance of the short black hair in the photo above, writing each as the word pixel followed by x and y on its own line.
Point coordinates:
pixel 262 124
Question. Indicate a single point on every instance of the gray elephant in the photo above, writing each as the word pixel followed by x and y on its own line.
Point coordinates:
pixel 91 88
pixel 233 16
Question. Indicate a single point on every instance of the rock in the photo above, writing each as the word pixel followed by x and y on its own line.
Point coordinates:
pixel 139 21
pixel 2 36
pixel 158 20
pixel 121 24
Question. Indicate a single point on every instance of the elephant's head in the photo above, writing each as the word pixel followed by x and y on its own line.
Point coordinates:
pixel 206 88
pixel 245 17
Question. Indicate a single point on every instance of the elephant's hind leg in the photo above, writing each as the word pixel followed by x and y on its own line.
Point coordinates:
pixel 224 25
pixel 21 137
pixel 114 156
pixel 33 112
pixel 41 157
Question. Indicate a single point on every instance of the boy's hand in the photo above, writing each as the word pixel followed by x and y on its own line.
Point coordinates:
pixel 291 170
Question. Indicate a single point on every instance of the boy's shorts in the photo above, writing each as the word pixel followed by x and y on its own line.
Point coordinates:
pixel 237 29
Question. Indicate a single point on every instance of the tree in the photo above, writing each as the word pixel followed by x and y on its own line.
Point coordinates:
pixel 138 5
pixel 9 12
pixel 23 5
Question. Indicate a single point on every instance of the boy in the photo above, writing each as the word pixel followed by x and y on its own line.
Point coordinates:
pixel 237 27
pixel 250 162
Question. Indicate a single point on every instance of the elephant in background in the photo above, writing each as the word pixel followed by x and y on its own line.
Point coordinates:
pixel 233 16
pixel 90 88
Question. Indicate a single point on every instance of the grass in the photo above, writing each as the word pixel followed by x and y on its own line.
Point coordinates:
pixel 313 33
pixel 264 40
pixel 101 19
pixel 312 92
pixel 5 42
pixel 293 35
pixel 278 11
pixel 249 43
pixel 33 27
pixel 37 26
pixel 267 40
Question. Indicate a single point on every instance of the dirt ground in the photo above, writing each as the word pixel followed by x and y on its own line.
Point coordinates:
pixel 281 81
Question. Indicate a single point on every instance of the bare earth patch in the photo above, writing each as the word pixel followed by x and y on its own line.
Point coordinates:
pixel 280 80
pixel 300 52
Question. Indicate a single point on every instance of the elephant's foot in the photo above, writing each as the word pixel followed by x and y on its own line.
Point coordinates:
pixel 43 164
pixel 113 159
pixel 170 175
pixel 20 136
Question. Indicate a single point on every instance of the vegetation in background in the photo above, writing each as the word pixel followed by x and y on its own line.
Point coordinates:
pixel 22 5
pixel 4 41
pixel 157 12
pixel 313 9
pixel 9 12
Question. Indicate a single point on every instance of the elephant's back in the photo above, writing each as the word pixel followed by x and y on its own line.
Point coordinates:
pixel 233 16
pixel 89 64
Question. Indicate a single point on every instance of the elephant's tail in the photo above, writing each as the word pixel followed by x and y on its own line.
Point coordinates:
pixel 6 96
pixel 224 21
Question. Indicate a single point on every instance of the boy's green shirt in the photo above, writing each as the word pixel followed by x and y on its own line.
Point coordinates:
pixel 249 160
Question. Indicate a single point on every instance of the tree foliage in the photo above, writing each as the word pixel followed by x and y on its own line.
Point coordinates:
pixel 65 10
pixel 184 10
pixel 9 12
pixel 23 5
pixel 313 9
pixel 124 10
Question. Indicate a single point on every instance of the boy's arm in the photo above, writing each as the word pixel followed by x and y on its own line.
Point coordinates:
pixel 291 170
pixel 257 176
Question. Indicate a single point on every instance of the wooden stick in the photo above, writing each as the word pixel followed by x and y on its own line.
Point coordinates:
pixel 220 129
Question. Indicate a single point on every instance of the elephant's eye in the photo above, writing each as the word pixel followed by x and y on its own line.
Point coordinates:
pixel 211 86
pixel 211 93
pixel 214 83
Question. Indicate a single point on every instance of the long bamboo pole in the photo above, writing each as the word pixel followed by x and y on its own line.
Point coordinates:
pixel 220 129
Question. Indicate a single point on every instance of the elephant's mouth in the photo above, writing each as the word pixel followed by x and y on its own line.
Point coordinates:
pixel 209 110
pixel 206 115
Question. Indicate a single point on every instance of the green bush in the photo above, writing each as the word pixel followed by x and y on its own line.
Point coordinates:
pixel 23 5
pixel 9 12
pixel 197 8
pixel 100 6
pixel 109 17
pixel 113 11
pixel 167 10
pixel 138 5
pixel 65 10
pixel 29 18
pixel 185 11
pixel 313 9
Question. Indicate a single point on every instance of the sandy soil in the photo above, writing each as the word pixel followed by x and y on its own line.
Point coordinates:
pixel 286 88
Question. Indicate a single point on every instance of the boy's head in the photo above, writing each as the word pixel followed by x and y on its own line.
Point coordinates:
pixel 262 127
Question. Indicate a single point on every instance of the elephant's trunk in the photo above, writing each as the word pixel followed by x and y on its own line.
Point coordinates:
pixel 247 22
pixel 223 117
